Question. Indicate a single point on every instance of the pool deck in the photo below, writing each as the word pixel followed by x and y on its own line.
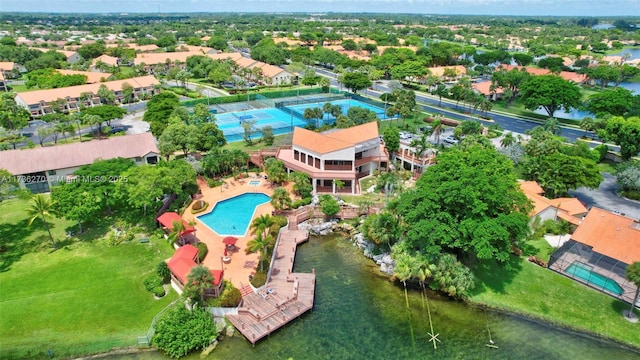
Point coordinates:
pixel 285 296
pixel 241 265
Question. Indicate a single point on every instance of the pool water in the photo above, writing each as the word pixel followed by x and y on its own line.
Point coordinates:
pixel 233 216
pixel 584 272
pixel 282 120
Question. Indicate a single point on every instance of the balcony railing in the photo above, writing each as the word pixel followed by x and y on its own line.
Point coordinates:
pixel 338 167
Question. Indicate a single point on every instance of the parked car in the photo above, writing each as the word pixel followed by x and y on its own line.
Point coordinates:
pixel 450 140
pixel 117 129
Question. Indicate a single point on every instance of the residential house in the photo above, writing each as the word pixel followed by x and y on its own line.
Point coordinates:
pixel 92 77
pixel 39 102
pixel 484 88
pixel 72 56
pixel 568 209
pixel 182 262
pixel 9 69
pixel 38 169
pixel 410 159
pixel 340 154
pixel 107 60
pixel 3 83
pixel 567 75
pixel 439 71
pixel 599 251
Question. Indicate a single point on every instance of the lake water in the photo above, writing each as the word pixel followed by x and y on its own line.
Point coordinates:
pixel 635 53
pixel 359 314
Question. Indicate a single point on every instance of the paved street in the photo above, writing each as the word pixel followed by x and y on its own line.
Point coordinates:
pixel 605 197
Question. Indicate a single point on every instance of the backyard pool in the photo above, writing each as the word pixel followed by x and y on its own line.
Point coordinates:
pixel 233 216
pixel 583 272
pixel 282 119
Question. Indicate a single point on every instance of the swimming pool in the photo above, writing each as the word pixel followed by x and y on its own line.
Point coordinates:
pixel 233 216
pixel 584 272
pixel 282 120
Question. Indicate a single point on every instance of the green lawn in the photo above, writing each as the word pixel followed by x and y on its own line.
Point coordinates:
pixel 542 293
pixel 86 297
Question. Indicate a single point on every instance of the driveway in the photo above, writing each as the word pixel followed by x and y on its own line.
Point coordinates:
pixel 605 197
pixel 133 123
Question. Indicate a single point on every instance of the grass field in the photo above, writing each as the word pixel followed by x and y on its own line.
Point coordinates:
pixel 544 294
pixel 85 297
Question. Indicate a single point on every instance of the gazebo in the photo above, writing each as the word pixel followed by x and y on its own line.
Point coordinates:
pixel 167 221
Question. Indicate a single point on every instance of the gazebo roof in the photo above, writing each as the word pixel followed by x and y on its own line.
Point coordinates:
pixel 167 219
pixel 182 261
pixel 217 276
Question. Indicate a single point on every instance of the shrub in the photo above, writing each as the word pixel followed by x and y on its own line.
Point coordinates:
pixel 259 279
pixel 152 281
pixel 199 206
pixel 202 251
pixel 180 331
pixel 231 298
pixel 158 291
pixel 601 150
pixel 281 221
pixel 556 227
pixel 162 270
pixel 302 202
pixel 213 183
pixel 114 239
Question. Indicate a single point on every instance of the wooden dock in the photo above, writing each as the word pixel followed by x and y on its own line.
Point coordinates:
pixel 285 296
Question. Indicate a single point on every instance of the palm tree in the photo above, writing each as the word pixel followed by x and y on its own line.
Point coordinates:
pixel 176 232
pixel 633 275
pixel 436 127
pixel 262 224
pixel 420 146
pixel 507 140
pixel 403 272
pixel 441 90
pixel 552 125
pixel 199 280
pixel 42 207
pixel 280 198
pixel 260 243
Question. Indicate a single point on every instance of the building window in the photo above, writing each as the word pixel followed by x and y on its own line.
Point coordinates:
pixel 296 155
pixel 303 158
pixel 152 160
pixel 52 172
pixel 138 159
pixel 317 163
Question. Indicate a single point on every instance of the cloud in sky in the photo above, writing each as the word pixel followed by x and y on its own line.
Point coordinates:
pixel 479 7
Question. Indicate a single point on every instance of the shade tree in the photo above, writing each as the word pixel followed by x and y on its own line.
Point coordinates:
pixel 550 92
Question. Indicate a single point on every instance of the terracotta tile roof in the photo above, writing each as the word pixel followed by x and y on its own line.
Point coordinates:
pixel 222 56
pixel 109 60
pixel 610 234
pixel 572 206
pixel 143 48
pixel 67 53
pixel 19 162
pixel 161 58
pixel 182 261
pixel 197 49
pixel 322 143
pixel 439 70
pixel 167 219
pixel 247 62
pixel 531 187
pixel 270 71
pixel 484 88
pixel 566 207
pixel 34 97
pixel 92 77
pixel 7 65
pixel 567 75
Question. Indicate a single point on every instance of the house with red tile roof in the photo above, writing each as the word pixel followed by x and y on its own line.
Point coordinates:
pixel 339 154
pixel 40 168
pixel 92 76
pixel 182 262
pixel 567 75
pixel 484 88
pixel 568 209
pixel 39 102
pixel 599 251
pixel 438 71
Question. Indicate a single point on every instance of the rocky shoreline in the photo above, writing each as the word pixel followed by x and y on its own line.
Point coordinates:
pixel 321 228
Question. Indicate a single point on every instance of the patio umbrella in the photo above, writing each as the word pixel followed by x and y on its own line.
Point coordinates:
pixel 226 253
pixel 230 240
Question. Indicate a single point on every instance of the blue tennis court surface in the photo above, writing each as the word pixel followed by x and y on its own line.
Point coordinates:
pixel 282 120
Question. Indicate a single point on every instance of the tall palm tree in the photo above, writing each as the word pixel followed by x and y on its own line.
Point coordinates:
pixel 552 125
pixel 199 280
pixel 262 224
pixel 42 207
pixel 436 127
pixel 420 146
pixel 633 275
pixel 260 243
pixel 176 231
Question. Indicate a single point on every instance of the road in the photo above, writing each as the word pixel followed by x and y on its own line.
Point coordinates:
pixel 430 104
pixel 606 197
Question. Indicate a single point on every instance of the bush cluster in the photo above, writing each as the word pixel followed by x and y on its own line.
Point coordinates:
pixel 259 279
pixel 231 298
pixel 301 202
pixel 199 206
pixel 158 291
pixel 202 251
pixel 162 270
pixel 152 281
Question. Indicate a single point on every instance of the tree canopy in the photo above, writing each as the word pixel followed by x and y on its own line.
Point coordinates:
pixel 468 203
pixel 550 92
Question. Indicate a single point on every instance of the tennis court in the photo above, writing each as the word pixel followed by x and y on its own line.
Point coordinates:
pixel 281 119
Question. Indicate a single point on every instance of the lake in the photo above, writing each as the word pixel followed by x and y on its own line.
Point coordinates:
pixel 635 53
pixel 360 314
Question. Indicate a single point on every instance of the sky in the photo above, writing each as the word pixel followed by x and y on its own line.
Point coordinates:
pixel 597 8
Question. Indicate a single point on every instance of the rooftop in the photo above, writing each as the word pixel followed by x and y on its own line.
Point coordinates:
pixel 26 161
pixel 326 142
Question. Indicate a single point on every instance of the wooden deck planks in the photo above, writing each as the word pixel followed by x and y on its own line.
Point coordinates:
pixel 286 295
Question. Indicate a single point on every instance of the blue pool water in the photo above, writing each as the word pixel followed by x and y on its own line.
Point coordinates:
pixel 584 272
pixel 233 216
pixel 282 120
